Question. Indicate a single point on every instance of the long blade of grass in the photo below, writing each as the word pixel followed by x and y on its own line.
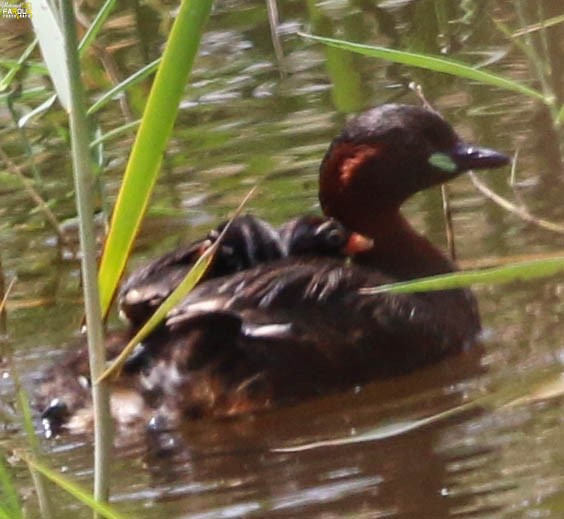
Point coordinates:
pixel 381 432
pixel 523 271
pixel 32 66
pixel 156 127
pixel 532 388
pixel 74 490
pixel 9 491
pixel 521 212
pixel 29 187
pixel 90 35
pixel 11 500
pixel 555 20
pixel 27 421
pixel 551 387
pixel 135 78
pixel 187 284
pixel 43 496
pixel 27 417
pixel 115 132
pixel 522 46
pixel 95 26
pixel 50 35
pixel 37 111
pixel 430 62
pixel 11 74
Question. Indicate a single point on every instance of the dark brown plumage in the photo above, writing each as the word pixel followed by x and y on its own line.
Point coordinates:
pixel 285 328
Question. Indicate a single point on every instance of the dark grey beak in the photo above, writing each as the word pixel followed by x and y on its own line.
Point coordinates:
pixel 468 157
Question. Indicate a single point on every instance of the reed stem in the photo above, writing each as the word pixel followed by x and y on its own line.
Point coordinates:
pixel 84 180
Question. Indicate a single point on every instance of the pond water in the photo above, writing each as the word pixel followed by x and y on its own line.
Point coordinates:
pixel 476 436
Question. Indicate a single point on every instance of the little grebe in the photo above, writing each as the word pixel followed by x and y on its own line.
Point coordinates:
pixel 298 326
pixel 64 389
pixel 248 242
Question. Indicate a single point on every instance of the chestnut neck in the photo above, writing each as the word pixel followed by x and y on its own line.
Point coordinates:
pixel 399 250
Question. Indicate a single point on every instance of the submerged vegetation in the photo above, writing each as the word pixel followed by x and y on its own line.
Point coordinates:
pixel 22 83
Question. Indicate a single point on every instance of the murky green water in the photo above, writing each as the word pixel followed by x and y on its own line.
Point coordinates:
pixel 249 116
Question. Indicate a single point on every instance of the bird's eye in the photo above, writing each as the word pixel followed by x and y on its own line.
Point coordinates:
pixel 335 237
pixel 331 233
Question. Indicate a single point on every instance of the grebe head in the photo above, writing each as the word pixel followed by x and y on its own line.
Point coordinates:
pixel 388 153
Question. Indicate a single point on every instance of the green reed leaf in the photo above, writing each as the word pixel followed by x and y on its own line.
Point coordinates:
pixel 95 26
pixel 135 78
pixel 12 73
pixel 429 62
pixel 88 38
pixel 555 20
pixel 10 505
pixel 522 271
pixel 37 111
pixel 187 284
pixel 150 144
pixel 124 128
pixel 47 25
pixel 74 490
pixel 384 431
